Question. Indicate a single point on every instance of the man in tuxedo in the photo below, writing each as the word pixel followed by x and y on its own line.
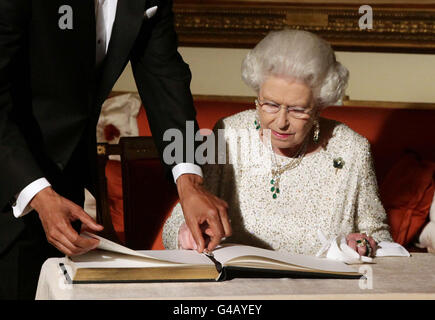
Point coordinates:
pixel 59 60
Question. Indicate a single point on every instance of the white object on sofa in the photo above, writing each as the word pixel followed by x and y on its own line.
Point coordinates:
pixel 120 111
pixel 427 236
pixel 90 205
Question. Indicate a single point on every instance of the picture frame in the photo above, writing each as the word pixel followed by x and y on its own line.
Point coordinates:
pixel 397 25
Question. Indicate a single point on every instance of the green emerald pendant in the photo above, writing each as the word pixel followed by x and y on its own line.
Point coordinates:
pixel 274 189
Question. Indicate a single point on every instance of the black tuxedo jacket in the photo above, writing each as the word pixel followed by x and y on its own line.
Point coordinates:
pixel 51 92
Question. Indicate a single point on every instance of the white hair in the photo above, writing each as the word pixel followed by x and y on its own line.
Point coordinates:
pixel 301 55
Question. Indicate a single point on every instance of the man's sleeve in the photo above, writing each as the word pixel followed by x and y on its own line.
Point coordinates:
pixel 163 81
pixel 17 165
pixel 22 206
pixel 184 168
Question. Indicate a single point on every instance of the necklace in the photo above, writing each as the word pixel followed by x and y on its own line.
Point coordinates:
pixel 278 170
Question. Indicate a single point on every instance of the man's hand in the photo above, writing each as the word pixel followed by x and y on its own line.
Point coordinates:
pixel 203 212
pixel 56 214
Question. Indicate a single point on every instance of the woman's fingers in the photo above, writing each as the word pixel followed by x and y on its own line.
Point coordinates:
pixel 361 243
pixel 185 238
pixel 373 245
pixel 362 250
pixel 187 241
pixel 352 243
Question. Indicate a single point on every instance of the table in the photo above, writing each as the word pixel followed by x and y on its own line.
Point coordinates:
pixel 390 278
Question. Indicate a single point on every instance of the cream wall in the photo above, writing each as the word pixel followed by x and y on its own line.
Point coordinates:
pixel 373 76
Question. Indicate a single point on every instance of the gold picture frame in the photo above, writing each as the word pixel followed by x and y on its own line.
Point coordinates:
pixel 398 25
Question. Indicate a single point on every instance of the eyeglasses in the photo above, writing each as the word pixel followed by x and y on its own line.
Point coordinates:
pixel 294 112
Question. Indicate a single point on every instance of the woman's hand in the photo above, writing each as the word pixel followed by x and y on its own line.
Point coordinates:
pixel 186 240
pixel 362 243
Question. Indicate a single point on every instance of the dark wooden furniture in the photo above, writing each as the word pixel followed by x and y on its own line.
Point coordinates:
pixel 146 192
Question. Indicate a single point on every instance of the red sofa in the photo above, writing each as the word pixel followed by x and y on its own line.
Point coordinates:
pixel 390 131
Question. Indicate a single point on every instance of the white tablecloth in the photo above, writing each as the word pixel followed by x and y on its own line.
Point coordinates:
pixel 391 278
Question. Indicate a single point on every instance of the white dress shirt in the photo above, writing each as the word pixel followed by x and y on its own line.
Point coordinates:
pixel 105 12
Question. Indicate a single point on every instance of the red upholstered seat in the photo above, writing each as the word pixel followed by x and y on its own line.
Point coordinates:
pixel 407 192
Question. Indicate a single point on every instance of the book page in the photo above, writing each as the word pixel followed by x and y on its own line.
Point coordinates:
pixel 169 258
pixel 112 246
pixel 155 257
pixel 109 259
pixel 230 254
pixel 179 256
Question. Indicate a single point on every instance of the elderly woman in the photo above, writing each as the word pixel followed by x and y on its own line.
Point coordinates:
pixel 298 173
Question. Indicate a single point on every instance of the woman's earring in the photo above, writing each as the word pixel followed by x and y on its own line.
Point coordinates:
pixel 316 131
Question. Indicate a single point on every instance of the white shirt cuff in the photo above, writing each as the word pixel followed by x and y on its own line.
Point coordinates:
pixel 183 168
pixel 21 206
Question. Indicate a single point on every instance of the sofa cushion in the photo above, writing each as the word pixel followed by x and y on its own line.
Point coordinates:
pixel 406 193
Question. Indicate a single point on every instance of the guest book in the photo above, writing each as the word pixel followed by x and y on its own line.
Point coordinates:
pixel 111 262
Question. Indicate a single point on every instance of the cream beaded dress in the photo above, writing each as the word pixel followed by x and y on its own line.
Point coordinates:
pixel 315 195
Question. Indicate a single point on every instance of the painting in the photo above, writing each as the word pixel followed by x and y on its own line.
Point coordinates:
pixel 349 25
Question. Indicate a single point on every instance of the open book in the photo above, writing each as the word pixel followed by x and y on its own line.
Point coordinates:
pixel 111 262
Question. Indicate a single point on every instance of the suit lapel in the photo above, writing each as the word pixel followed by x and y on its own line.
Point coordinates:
pixel 128 20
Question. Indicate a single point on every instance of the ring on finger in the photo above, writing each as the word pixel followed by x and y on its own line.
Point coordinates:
pixel 369 250
pixel 361 243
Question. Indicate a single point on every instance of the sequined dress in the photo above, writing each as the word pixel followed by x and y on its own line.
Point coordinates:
pixel 333 190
